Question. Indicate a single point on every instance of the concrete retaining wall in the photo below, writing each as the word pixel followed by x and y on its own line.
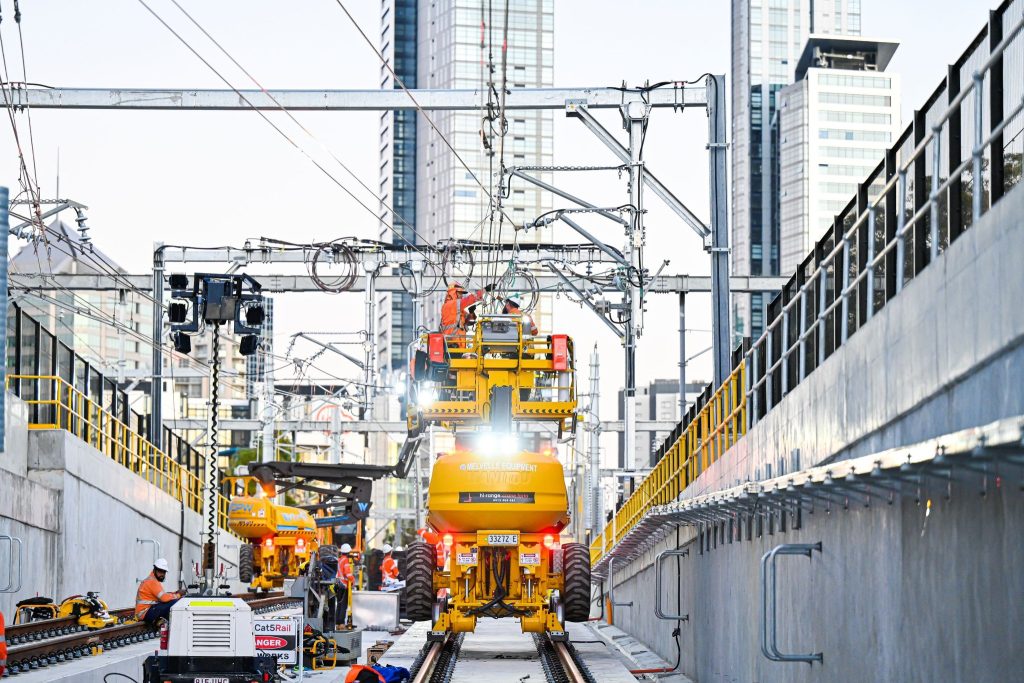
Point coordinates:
pixel 79 515
pixel 895 596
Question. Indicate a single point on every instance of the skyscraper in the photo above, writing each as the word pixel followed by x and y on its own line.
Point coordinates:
pixel 768 37
pixel 458 44
pixel 836 122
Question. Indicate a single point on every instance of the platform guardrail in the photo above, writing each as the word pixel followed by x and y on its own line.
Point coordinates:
pixel 62 406
pixel 713 430
pixel 961 154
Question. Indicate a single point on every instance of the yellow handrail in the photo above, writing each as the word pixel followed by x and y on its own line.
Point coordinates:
pixel 72 410
pixel 718 425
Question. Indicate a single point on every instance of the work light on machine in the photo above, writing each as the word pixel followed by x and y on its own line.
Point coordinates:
pixel 426 395
pixel 496 443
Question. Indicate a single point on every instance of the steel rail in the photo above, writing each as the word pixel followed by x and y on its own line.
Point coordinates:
pixel 48 642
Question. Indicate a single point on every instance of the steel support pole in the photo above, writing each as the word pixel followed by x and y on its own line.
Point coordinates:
pixel 269 448
pixel 4 227
pixel 719 227
pixel 634 115
pixel 369 346
pixel 594 444
pixel 156 394
pixel 682 354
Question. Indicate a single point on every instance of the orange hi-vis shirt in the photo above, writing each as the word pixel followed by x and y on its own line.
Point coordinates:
pixel 150 593
pixel 3 645
pixel 345 570
pixel 389 568
pixel 453 311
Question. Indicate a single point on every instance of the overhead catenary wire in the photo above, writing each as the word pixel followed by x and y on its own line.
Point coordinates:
pixel 384 62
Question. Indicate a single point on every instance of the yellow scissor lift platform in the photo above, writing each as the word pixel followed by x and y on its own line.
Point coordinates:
pixel 497 509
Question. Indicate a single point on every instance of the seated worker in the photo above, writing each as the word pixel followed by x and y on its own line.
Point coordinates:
pixel 152 602
pixel 512 308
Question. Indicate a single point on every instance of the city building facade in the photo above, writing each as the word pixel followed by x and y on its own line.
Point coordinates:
pixel 768 37
pixel 836 122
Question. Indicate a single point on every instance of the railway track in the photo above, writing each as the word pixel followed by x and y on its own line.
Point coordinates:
pixel 50 642
pixel 560 662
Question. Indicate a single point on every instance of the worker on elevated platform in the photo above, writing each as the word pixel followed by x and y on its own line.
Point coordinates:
pixel 152 602
pixel 455 307
pixel 3 646
pixel 512 308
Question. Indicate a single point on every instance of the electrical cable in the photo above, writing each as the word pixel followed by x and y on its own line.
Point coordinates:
pixel 415 102
pixel 262 115
pixel 302 127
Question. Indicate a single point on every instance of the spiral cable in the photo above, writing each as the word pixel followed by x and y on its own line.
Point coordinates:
pixel 211 490
pixel 346 256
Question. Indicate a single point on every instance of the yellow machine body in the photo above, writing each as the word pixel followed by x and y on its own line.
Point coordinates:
pixel 89 610
pixel 281 537
pixel 473 490
pixel 499 509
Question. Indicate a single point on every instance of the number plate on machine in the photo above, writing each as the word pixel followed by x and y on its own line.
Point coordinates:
pixel 502 539
pixel 207 679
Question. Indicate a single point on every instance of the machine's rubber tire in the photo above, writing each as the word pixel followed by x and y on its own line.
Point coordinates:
pixel 420 559
pixel 245 563
pixel 576 572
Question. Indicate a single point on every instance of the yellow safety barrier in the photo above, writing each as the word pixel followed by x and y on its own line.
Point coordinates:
pixel 719 424
pixel 69 409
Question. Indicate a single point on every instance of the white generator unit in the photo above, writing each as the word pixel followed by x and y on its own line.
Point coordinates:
pixel 211 627
pixel 210 640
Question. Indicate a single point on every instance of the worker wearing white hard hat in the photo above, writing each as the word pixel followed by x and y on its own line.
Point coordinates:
pixel 152 602
pixel 388 567
pixel 346 577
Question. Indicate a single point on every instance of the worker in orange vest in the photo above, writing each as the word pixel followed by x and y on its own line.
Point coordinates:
pixel 3 646
pixel 434 539
pixel 388 567
pixel 346 578
pixel 455 306
pixel 512 308
pixel 152 602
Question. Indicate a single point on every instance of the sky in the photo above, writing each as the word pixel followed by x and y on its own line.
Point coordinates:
pixel 218 178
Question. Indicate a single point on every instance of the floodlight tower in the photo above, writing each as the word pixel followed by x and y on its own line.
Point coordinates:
pixel 214 300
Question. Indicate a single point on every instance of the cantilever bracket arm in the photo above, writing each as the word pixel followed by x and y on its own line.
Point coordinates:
pixel 583 297
pixel 352 359
pixel 656 186
pixel 570 197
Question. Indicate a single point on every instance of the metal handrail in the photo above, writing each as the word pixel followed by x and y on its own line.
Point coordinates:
pixel 77 413
pixel 611 586
pixel 713 430
pixel 11 587
pixel 819 276
pixel 769 633
pixel 658 611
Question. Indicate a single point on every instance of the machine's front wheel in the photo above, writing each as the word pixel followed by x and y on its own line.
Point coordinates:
pixel 576 572
pixel 245 563
pixel 420 560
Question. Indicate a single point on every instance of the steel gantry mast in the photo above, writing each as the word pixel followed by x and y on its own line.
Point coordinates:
pixel 634 104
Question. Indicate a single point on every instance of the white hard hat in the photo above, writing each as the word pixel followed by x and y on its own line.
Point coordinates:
pixel 387 549
pixel 398 549
pixel 161 564
pixel 345 548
